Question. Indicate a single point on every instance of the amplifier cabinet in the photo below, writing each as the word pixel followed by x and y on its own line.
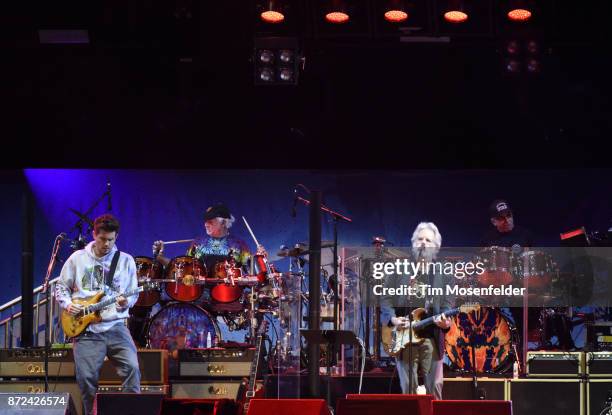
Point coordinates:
pixel 39 387
pixel 153 365
pixel 209 389
pixel 555 364
pixel 599 364
pixel 599 336
pixel 547 396
pixel 30 363
pixel 215 362
pixel 597 392
pixel 463 389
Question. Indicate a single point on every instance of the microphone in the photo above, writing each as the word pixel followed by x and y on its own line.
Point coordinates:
pixel 295 200
pixel 62 235
pixel 108 192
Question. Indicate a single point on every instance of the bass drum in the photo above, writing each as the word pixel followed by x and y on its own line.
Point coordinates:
pixel 488 334
pixel 180 326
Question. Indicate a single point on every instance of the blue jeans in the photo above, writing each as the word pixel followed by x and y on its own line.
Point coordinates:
pixel 89 352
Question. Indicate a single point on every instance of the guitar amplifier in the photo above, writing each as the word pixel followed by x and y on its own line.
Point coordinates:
pixel 547 396
pixel 158 389
pixel 599 364
pixel 599 336
pixel 463 389
pixel 598 391
pixel 30 363
pixel 153 365
pixel 209 389
pixel 216 362
pixel 555 364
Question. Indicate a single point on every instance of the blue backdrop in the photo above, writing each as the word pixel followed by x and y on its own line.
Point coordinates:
pixel 169 205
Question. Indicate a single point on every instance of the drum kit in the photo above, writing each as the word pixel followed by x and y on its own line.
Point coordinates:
pixel 486 341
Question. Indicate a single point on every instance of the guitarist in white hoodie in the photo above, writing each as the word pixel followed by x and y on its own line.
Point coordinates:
pixel 84 274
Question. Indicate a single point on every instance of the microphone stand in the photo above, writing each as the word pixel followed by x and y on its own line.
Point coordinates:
pixel 84 217
pixel 45 290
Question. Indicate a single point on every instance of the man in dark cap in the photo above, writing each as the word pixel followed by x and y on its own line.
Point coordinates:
pixel 218 244
pixel 505 234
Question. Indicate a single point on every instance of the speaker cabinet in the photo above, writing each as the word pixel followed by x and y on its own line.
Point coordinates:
pixel 39 387
pixel 597 393
pixel 491 389
pixel 153 365
pixel 547 396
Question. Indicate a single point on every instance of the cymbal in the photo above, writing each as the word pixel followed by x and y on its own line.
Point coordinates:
pixel 324 244
pixel 294 252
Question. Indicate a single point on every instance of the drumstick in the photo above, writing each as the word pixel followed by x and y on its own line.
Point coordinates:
pixel 180 241
pixel 250 230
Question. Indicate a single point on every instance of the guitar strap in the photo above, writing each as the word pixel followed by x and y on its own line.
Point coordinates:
pixel 111 272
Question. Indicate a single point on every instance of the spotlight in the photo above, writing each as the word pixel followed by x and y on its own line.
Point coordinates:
pixel 271 16
pixel 513 47
pixel 336 12
pixel 533 47
pixel 395 11
pixel 266 56
pixel 337 17
pixel 286 56
pixel 534 65
pixel 513 66
pixel 455 16
pixel 396 16
pixel 272 12
pixel 519 15
pixel 266 74
pixel 276 61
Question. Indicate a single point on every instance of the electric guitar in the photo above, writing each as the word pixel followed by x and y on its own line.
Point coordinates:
pixel 75 325
pixel 394 339
pixel 254 390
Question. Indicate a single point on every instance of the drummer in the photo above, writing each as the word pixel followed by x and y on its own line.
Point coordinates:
pixel 218 244
pixel 505 232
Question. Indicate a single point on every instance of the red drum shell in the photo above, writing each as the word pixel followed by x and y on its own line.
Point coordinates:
pixel 226 293
pixel 179 268
pixel 148 269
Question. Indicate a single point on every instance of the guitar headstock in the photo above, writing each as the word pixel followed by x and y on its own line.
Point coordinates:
pixel 469 307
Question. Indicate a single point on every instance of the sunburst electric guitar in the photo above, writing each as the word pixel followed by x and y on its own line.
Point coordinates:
pixel 394 339
pixel 74 325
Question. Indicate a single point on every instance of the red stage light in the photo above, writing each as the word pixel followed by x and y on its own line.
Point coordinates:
pixel 396 16
pixel 513 47
pixel 272 17
pixel 519 15
pixel 455 16
pixel 337 17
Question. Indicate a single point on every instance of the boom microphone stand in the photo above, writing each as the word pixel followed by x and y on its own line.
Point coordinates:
pixel 45 290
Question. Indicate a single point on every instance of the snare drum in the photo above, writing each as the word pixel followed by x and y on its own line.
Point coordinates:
pixel 179 326
pixel 487 333
pixel 148 269
pixel 500 266
pixel 538 267
pixel 187 271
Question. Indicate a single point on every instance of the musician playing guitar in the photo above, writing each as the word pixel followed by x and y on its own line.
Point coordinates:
pixel 427 353
pixel 101 267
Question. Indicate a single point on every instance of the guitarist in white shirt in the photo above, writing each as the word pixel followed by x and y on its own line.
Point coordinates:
pixel 84 274
pixel 426 365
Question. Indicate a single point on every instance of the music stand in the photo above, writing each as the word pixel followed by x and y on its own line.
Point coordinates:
pixel 331 338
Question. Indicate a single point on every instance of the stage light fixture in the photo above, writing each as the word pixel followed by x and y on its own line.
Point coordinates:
pixel 455 12
pixel 519 10
pixel 273 12
pixel 276 61
pixel 337 17
pixel 533 47
pixel 519 15
pixel 533 65
pixel 395 12
pixel 336 12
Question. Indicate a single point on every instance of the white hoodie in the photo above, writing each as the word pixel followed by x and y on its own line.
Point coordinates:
pixel 83 275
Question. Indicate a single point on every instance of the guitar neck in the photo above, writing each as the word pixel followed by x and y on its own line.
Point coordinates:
pixel 109 300
pixel 430 320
